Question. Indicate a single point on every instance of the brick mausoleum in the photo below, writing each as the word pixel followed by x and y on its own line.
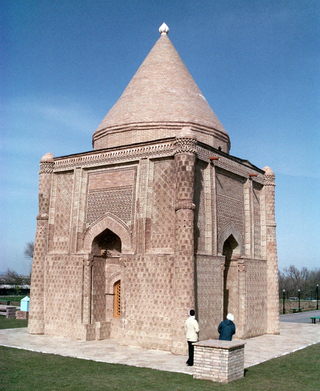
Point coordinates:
pixel 156 219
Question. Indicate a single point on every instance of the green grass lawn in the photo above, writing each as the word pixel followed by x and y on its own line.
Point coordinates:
pixel 12 324
pixel 24 371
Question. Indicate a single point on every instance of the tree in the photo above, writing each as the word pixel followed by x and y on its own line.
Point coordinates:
pixel 28 252
pixel 13 278
pixel 291 279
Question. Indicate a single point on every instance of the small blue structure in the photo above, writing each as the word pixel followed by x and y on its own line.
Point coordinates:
pixel 24 304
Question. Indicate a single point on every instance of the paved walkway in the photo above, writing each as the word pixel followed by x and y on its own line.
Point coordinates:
pixel 293 336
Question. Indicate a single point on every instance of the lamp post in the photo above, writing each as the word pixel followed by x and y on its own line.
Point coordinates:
pixel 299 298
pixel 317 296
pixel 283 300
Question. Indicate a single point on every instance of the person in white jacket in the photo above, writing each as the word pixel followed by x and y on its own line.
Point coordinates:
pixel 192 329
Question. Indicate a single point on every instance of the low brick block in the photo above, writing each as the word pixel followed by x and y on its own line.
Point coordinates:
pixel 11 312
pixel 22 314
pixel 220 361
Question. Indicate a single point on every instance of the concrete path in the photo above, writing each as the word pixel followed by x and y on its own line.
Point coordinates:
pixel 293 336
pixel 300 317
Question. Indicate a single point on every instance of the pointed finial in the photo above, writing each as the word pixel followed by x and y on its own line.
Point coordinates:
pixel 164 29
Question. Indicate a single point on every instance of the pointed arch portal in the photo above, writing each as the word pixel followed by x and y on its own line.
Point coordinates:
pixel 230 278
pixel 112 223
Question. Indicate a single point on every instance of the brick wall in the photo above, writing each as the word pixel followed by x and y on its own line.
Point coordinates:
pixel 209 288
pixel 160 229
pixel 256 303
pixel 147 306
pixel 63 295
pixel 220 361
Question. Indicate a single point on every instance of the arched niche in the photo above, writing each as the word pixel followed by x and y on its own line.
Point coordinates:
pixel 230 276
pixel 234 240
pixel 113 224
pixel 106 244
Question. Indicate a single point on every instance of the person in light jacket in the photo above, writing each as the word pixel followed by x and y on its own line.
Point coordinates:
pixel 192 329
pixel 227 328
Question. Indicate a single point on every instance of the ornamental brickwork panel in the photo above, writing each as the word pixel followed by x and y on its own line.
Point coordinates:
pixel 200 212
pixel 209 288
pixel 163 193
pixel 147 292
pixel 111 191
pixel 98 290
pixel 62 201
pixel 230 205
pixel 63 304
pixel 118 202
pixel 257 219
pixel 256 277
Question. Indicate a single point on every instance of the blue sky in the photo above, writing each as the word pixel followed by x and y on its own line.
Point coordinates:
pixel 65 63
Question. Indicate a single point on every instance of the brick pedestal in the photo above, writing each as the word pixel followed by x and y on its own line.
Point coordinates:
pixel 220 361
pixel 22 314
pixel 11 312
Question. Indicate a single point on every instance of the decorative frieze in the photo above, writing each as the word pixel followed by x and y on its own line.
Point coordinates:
pixel 90 159
pixel 229 163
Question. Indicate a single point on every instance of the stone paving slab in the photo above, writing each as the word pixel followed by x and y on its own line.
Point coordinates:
pixel 293 336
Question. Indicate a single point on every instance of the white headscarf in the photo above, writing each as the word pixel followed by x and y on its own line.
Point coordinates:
pixel 230 317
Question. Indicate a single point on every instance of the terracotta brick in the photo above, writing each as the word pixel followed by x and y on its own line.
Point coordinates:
pixel 149 207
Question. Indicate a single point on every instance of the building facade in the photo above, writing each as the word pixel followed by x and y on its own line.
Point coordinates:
pixel 158 218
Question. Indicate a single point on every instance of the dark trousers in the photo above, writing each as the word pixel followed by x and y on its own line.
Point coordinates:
pixel 191 352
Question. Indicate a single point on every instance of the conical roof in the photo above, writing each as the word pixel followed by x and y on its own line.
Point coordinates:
pixel 162 92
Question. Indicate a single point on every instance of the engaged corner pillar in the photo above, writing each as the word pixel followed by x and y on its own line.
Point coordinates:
pixel 36 312
pixel 185 155
pixel 220 361
pixel 273 325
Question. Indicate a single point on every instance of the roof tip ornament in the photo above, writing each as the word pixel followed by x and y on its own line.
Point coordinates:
pixel 164 29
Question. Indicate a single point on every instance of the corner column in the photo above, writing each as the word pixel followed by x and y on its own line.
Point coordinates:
pixel 242 299
pixel 184 284
pixel 36 313
pixel 273 325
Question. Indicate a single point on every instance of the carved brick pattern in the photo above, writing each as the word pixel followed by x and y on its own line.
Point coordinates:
pixel 109 157
pixel 257 220
pixel 37 278
pixel 269 180
pixel 163 193
pixel 229 210
pixel 231 295
pixel 46 168
pixel 270 205
pixel 63 305
pixel 117 201
pixel 240 168
pixel 209 293
pixel 256 297
pixel 98 290
pixel 199 200
pixel 149 280
pixel 230 202
pixel 45 185
pixel 185 145
pixel 184 231
pixel 64 189
pixel 185 176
